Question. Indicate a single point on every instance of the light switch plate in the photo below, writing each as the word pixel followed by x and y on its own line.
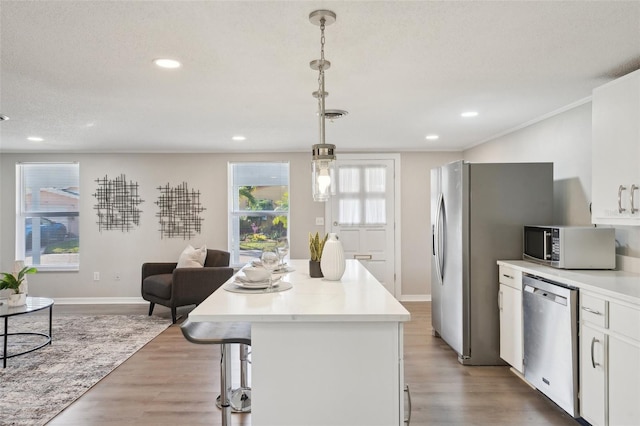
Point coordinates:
pixel 320 221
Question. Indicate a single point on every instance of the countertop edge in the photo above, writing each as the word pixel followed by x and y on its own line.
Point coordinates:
pixel 574 279
pixel 303 318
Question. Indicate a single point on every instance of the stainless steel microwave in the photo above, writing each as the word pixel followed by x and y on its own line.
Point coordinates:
pixel 570 247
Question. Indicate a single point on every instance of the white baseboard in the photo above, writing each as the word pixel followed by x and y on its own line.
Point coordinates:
pixel 99 300
pixel 415 298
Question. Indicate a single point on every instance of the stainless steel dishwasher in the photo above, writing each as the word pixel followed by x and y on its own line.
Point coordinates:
pixel 550 323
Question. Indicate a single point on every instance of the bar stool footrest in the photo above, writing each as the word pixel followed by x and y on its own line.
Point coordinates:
pixel 240 400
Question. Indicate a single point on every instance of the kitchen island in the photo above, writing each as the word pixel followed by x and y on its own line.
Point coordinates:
pixel 324 353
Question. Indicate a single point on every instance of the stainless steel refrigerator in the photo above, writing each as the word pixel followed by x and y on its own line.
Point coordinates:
pixel 477 214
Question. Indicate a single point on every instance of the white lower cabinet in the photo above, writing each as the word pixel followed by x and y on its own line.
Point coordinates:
pixel 624 382
pixel 511 326
pixel 609 361
pixel 510 306
pixel 593 365
pixel 624 364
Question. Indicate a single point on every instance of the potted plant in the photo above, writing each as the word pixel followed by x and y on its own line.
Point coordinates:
pixel 316 245
pixel 13 282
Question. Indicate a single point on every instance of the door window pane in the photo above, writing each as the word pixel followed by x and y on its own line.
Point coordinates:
pixel 375 178
pixel 375 211
pixel 349 212
pixel 349 180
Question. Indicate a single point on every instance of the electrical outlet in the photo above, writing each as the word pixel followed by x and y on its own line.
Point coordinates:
pixel 320 221
pixel 96 276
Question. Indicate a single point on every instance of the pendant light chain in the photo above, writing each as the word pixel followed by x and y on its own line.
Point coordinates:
pixel 321 93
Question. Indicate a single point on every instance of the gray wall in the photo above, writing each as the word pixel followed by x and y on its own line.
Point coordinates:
pixel 116 252
pixel 416 219
pixel 564 139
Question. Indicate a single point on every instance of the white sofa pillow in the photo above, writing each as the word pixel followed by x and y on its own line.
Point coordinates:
pixel 192 257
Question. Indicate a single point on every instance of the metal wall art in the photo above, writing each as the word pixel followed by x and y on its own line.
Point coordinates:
pixel 179 213
pixel 118 202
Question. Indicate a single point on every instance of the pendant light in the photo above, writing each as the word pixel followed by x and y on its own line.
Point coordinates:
pixel 323 160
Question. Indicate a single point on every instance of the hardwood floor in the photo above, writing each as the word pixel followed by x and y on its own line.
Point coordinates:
pixel 171 381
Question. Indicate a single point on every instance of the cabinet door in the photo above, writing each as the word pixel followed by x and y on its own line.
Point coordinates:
pixel 593 369
pixel 616 151
pixel 510 301
pixel 624 382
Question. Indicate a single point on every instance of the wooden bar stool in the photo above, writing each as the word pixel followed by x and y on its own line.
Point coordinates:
pixel 225 334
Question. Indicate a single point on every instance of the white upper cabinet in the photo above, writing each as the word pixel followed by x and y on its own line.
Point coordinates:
pixel 616 152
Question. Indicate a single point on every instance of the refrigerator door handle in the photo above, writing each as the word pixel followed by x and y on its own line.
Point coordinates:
pixel 438 239
pixel 433 240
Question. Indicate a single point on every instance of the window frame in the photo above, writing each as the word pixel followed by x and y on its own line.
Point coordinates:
pixel 235 213
pixel 22 215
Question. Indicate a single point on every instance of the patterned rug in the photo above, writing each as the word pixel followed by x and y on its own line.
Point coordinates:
pixel 37 386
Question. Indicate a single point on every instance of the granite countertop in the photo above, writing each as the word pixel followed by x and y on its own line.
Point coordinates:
pixel 620 285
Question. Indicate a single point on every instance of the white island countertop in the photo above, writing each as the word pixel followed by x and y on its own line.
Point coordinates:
pixel 618 284
pixel 357 297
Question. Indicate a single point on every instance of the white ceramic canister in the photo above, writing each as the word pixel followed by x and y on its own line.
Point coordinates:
pixel 332 261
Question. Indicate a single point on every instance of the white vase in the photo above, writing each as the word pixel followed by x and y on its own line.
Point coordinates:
pixel 332 261
pixel 17 299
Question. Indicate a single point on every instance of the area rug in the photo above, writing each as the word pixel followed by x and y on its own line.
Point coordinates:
pixel 35 387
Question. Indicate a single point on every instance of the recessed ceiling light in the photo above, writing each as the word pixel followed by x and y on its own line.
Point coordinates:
pixel 167 63
pixel 432 137
pixel 469 114
pixel 35 139
pixel 239 138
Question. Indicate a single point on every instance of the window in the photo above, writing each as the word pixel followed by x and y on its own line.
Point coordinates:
pixel 258 208
pixel 47 226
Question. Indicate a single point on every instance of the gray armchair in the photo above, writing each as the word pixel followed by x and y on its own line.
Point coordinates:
pixel 166 285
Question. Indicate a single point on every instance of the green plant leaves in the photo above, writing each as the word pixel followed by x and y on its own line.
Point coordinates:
pixel 316 245
pixel 10 281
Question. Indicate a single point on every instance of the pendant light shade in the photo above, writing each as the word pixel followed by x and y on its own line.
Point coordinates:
pixel 323 171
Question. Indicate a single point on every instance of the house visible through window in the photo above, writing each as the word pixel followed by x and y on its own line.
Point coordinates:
pixel 259 208
pixel 47 219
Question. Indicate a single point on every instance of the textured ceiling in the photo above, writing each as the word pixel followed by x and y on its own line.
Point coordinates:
pixel 79 73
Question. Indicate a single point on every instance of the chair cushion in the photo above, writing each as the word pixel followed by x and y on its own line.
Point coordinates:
pixel 192 257
pixel 158 285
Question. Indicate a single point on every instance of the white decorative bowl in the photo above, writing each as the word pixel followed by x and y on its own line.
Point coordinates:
pixel 256 274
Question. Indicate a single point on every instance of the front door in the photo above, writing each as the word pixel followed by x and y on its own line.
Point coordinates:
pixel 362 213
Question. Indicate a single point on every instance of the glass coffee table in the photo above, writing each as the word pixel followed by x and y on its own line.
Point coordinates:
pixel 33 304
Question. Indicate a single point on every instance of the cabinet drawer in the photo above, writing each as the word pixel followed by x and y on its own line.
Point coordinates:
pixel 511 277
pixel 593 310
pixel 624 320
